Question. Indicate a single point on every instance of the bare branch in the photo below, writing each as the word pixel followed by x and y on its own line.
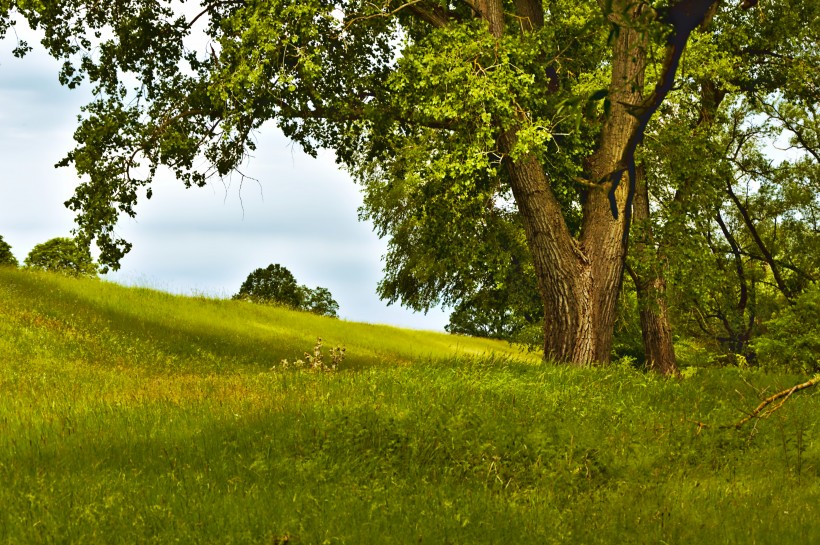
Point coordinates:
pixel 428 15
pixel 747 219
pixel 783 395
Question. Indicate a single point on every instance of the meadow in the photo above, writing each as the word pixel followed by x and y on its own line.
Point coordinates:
pixel 129 415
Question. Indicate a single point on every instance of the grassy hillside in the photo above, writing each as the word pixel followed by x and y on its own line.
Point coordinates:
pixel 133 416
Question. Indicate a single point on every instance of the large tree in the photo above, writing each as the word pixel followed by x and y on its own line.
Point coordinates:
pixel 460 95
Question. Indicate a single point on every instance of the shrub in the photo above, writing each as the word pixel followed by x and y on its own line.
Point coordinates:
pixel 316 361
pixel 62 255
pixel 7 258
pixel 792 337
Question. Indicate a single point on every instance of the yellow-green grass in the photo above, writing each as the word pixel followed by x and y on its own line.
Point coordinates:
pixel 97 320
pixel 133 416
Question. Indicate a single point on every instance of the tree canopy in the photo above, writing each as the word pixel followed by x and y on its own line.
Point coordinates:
pixel 6 256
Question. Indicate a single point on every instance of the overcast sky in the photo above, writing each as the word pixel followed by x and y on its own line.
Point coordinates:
pixel 302 213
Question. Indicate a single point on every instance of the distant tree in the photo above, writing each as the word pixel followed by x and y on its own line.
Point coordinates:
pixel 320 301
pixel 6 257
pixel 491 314
pixel 62 255
pixel 274 284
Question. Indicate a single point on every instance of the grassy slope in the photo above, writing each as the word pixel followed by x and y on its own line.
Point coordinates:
pixel 128 415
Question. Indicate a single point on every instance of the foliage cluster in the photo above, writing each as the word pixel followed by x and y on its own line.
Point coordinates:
pixel 6 256
pixel 792 336
pixel 108 394
pixel 276 285
pixel 62 255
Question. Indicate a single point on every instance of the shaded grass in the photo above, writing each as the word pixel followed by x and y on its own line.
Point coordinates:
pixel 128 415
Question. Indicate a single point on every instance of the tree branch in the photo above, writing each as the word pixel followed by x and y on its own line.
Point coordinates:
pixel 435 15
pixel 741 305
pixel 425 14
pixel 781 263
pixel 798 133
pixel 685 17
pixel 358 114
pixel 747 219
pixel 783 395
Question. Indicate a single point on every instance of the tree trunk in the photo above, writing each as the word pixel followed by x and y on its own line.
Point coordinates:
pixel 580 280
pixel 655 328
pixel 650 285
pixel 560 266
pixel 607 217
pixel 562 269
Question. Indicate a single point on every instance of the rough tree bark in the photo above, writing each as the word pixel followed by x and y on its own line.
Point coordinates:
pixel 580 280
pixel 650 285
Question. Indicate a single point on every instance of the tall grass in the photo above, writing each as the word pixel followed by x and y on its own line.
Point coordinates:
pixel 133 416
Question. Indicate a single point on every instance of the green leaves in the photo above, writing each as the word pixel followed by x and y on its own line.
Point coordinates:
pixel 368 81
pixel 792 337
pixel 62 255
pixel 7 258
pixel 273 284
pixel 276 285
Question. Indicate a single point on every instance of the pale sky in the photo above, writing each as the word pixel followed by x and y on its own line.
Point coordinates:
pixel 302 214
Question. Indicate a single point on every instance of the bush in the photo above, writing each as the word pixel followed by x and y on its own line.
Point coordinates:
pixel 276 285
pixel 62 255
pixel 792 337
pixel 7 258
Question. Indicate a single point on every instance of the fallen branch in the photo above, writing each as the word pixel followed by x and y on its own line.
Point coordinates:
pixel 782 395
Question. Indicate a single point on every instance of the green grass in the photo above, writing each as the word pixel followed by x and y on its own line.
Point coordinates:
pixel 134 416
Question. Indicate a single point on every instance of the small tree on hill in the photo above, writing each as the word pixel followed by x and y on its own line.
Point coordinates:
pixel 7 258
pixel 62 255
pixel 276 285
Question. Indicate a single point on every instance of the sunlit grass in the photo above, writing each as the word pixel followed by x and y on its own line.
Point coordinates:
pixel 134 416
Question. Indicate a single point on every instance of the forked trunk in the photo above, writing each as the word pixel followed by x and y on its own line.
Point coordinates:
pixel 580 279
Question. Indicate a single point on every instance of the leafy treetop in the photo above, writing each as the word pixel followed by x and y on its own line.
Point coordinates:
pixel 275 284
pixel 63 255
